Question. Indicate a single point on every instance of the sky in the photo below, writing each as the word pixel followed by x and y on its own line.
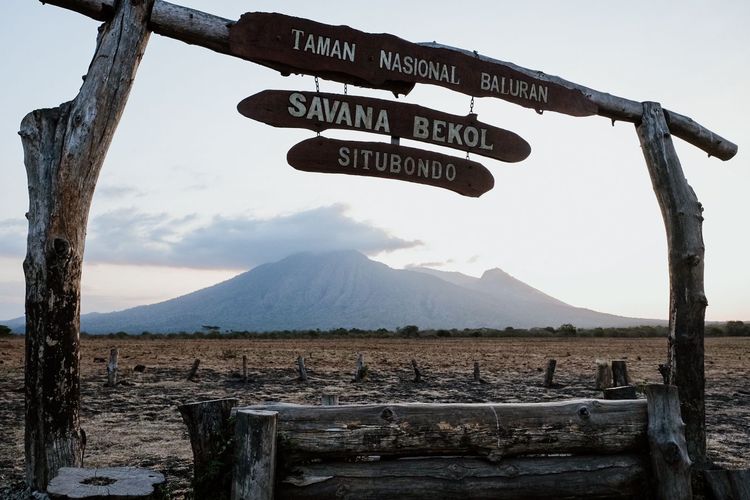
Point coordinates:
pixel 193 193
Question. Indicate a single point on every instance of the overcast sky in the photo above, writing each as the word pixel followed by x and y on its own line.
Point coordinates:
pixel 193 193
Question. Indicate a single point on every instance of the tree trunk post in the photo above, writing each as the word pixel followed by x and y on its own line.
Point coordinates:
pixel 549 373
pixel 329 399
pixel 620 373
pixel 603 375
pixel 112 368
pixel 360 372
pixel 666 438
pixel 683 219
pixel 417 372
pixel 210 429
pixel 194 370
pixel 301 370
pixel 255 455
pixel 64 149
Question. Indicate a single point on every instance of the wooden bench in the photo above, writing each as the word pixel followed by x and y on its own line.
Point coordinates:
pixel 571 449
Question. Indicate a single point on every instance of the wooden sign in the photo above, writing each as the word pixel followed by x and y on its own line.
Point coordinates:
pixel 321 111
pixel 390 161
pixel 340 53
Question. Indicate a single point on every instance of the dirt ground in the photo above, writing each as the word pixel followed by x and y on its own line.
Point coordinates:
pixel 137 423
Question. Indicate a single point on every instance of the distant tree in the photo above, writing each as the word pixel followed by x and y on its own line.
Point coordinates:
pixel 210 327
pixel 737 328
pixel 410 331
pixel 4 331
pixel 443 333
pixel 567 329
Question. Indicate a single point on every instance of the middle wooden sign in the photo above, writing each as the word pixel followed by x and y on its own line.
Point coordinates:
pixel 321 111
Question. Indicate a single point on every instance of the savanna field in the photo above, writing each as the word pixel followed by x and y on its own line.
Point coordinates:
pixel 137 423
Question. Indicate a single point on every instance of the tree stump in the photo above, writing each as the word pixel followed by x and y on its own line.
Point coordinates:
pixel 603 375
pixel 549 373
pixel 211 433
pixel 624 392
pixel 254 471
pixel 329 399
pixel 106 483
pixel 620 373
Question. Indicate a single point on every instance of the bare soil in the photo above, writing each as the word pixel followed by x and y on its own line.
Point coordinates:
pixel 137 422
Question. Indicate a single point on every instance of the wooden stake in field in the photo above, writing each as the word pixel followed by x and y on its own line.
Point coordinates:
pixel 112 368
pixel 603 375
pixel 244 369
pixel 360 372
pixel 417 372
pixel 620 373
pixel 301 370
pixel 549 373
pixel 194 370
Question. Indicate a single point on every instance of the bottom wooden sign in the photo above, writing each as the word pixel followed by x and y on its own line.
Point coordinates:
pixel 391 161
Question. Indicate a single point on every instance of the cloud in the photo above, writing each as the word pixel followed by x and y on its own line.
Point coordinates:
pixel 13 237
pixel 429 265
pixel 128 237
pixel 116 192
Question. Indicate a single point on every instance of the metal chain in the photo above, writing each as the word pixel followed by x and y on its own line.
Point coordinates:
pixel 471 105
pixel 345 89
pixel 317 85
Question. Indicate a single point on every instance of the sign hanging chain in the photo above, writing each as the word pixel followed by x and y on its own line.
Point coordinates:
pixel 345 90
pixel 317 86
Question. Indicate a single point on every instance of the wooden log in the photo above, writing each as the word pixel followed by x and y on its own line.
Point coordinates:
pixel 360 372
pixel 301 370
pixel 112 368
pixel 211 432
pixel 106 482
pixel 329 399
pixel 417 373
pixel 620 373
pixel 489 430
pixel 622 392
pixel 613 476
pixel 212 32
pixel 683 219
pixel 603 375
pixel 194 370
pixel 254 472
pixel 549 373
pixel 728 484
pixel 669 455
pixel 64 149
pixel 244 369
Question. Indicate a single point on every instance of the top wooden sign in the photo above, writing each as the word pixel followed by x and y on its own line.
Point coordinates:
pixel 294 45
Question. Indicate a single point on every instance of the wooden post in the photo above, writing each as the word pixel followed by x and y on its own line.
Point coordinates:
pixel 620 373
pixel 329 400
pixel 194 370
pixel 603 375
pixel 417 373
pixel 301 370
pixel 549 373
pixel 112 368
pixel 683 219
pixel 361 370
pixel 211 431
pixel 622 392
pixel 728 484
pixel 244 369
pixel 132 483
pixel 669 454
pixel 255 455
pixel 64 149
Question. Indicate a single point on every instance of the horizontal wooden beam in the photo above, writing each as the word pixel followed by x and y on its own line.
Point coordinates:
pixel 212 32
pixel 490 430
pixel 605 476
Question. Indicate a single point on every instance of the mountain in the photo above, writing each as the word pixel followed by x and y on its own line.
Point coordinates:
pixel 346 289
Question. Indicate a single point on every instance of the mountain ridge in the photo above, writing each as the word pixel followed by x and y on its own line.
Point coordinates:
pixel 345 289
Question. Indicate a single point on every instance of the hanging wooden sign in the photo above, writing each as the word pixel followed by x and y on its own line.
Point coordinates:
pixel 391 161
pixel 340 53
pixel 321 111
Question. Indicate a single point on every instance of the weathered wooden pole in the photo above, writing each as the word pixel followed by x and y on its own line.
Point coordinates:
pixel 112 368
pixel 683 219
pixel 549 372
pixel 669 454
pixel 254 471
pixel 64 149
pixel 211 431
pixel 301 370
pixel 620 373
